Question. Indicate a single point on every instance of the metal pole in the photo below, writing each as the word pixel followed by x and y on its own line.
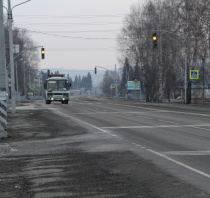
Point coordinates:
pixel 203 75
pixel 11 58
pixel 7 86
pixel 42 88
pixel 24 80
pixel 116 88
pixel 3 104
pixel 185 84
pixel 29 83
pixel 16 77
pixel 160 74
pixel 209 41
pixel 29 76
pixel 135 92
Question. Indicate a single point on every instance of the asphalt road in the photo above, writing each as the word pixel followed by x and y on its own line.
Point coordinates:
pixel 96 147
pixel 178 140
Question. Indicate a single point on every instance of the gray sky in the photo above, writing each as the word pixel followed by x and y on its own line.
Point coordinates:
pixel 84 31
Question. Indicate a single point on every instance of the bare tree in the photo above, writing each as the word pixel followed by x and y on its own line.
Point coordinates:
pixel 161 67
pixel 108 79
pixel 30 58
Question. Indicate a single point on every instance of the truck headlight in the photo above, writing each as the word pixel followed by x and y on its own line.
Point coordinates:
pixel 63 98
pixel 52 98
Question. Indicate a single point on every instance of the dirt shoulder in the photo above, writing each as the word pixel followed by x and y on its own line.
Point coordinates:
pixel 66 171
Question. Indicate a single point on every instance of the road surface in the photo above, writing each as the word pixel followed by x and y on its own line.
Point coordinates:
pixel 122 149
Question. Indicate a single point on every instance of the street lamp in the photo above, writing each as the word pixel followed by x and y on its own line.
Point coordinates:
pixel 11 54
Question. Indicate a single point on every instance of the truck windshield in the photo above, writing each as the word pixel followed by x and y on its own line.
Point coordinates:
pixel 57 85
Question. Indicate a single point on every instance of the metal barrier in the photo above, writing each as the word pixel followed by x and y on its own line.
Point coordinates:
pixel 3 115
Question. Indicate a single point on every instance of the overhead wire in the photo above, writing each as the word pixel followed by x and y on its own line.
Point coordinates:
pixel 62 36
pixel 54 33
pixel 81 31
pixel 81 49
pixel 65 24
pixel 71 16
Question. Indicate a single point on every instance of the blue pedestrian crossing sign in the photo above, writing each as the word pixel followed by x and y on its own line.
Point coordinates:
pixel 32 87
pixel 112 86
pixel 194 74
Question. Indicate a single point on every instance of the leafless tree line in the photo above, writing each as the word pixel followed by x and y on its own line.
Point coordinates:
pixel 109 78
pixel 164 66
pixel 27 62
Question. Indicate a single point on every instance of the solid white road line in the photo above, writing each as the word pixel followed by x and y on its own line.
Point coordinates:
pixel 158 126
pixel 179 163
pixel 150 150
pixel 170 111
pixel 187 153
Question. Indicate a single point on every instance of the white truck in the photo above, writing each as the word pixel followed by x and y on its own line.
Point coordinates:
pixel 57 88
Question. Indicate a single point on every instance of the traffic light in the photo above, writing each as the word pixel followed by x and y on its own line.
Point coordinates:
pixel 95 70
pixel 43 53
pixel 154 40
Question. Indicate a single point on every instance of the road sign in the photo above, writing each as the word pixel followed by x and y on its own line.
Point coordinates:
pixel 135 81
pixel 194 74
pixel 16 49
pixel 32 87
pixel 112 86
pixel 133 86
pixel 116 81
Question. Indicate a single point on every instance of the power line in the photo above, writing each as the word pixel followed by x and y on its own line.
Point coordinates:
pixel 71 16
pixel 73 37
pixel 62 36
pixel 65 24
pixel 82 31
pixel 82 49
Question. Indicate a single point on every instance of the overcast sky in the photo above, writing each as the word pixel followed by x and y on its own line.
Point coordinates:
pixel 76 34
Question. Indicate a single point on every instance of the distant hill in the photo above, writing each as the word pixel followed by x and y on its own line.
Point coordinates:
pixel 97 78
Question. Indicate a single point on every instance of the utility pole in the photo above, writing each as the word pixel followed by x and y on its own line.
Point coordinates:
pixel 188 99
pixel 12 71
pixel 3 104
pixel 16 77
pixel 203 77
pixel 161 93
pixel 116 82
pixel 185 83
pixel 209 41
pixel 24 79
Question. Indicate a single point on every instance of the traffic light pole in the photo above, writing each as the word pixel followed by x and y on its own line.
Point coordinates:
pixel 187 82
pixel 24 52
pixel 116 88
